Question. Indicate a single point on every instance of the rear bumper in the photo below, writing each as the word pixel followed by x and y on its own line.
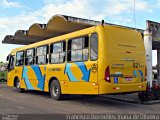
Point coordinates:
pixel 108 88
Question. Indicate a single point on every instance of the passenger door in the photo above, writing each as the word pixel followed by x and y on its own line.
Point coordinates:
pixel 10 76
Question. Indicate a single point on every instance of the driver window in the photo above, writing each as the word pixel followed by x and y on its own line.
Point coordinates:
pixel 11 63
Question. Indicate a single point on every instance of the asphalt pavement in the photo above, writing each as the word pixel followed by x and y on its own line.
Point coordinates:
pixel 35 102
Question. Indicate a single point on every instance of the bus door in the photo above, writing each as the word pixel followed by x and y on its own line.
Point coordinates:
pixel 10 68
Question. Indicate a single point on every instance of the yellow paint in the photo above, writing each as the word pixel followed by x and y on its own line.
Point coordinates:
pixel 116 45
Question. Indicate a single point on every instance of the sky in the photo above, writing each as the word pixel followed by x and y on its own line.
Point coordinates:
pixel 21 14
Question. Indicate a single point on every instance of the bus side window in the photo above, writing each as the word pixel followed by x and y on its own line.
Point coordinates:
pixel 42 55
pixel 20 58
pixel 78 49
pixel 94 46
pixel 11 63
pixel 57 52
pixel 85 48
pixel 30 57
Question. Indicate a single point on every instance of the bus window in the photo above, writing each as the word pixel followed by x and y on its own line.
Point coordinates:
pixel 20 58
pixel 42 55
pixel 94 46
pixel 57 52
pixel 30 57
pixel 11 63
pixel 85 48
pixel 78 49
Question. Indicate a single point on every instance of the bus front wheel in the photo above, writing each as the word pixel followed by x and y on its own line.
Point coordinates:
pixel 17 85
pixel 55 90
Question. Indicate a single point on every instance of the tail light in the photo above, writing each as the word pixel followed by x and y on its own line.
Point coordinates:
pixel 145 73
pixel 107 75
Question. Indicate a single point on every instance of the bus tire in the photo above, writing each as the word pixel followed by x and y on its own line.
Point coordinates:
pixel 17 85
pixel 55 90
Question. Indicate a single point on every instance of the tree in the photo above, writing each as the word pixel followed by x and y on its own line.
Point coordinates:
pixel 2 74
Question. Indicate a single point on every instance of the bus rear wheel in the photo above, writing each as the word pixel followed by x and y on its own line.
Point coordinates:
pixel 17 85
pixel 55 90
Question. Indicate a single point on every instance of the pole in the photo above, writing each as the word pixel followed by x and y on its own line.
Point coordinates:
pixel 158 65
pixel 148 48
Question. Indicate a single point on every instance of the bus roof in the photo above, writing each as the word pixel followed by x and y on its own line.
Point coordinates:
pixel 63 37
pixel 56 26
pixel 57 39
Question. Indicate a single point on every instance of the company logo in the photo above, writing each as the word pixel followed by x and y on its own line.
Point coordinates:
pixel 94 67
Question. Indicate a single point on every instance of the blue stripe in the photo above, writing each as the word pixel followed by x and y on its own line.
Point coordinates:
pixel 40 78
pixel 25 77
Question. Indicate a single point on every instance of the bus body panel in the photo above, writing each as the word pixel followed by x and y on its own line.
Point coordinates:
pixel 108 88
pixel 81 78
pixel 37 77
pixel 124 54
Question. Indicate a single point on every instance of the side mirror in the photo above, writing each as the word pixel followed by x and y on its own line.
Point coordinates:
pixel 7 67
pixel 8 57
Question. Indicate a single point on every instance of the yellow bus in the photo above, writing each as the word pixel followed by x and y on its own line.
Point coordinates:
pixel 93 61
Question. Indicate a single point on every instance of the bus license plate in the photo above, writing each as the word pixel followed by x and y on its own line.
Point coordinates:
pixel 128 79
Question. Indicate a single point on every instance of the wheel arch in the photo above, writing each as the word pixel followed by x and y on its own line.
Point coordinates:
pixel 15 79
pixel 50 81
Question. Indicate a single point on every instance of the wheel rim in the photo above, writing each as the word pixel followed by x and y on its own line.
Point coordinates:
pixel 18 85
pixel 55 90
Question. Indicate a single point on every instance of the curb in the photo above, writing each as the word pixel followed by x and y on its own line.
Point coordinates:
pixel 135 102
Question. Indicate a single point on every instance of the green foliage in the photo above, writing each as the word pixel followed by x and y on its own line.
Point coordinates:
pixel 3 75
pixel 1 64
